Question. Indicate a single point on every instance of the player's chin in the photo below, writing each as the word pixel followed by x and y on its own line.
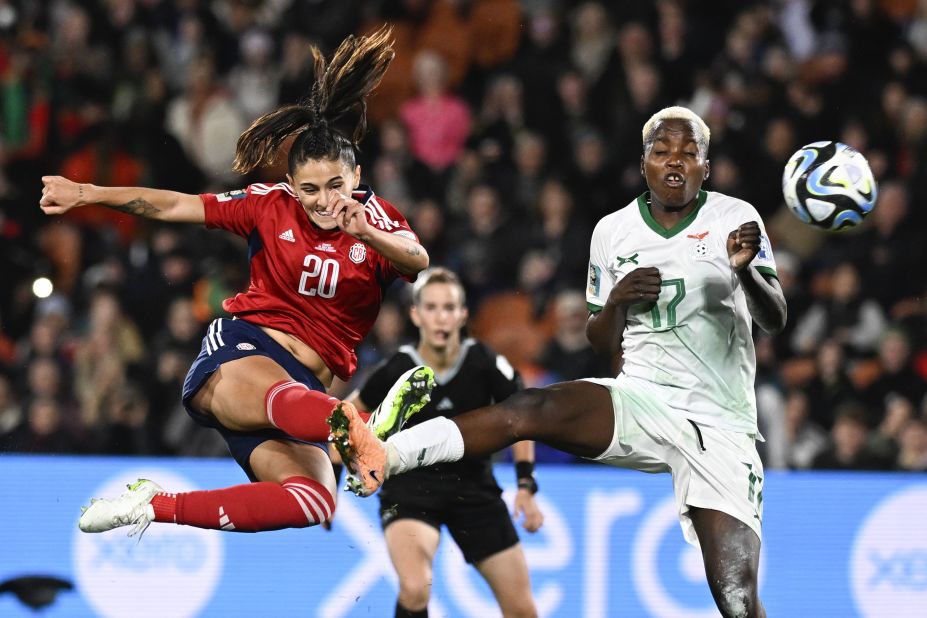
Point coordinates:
pixel 326 223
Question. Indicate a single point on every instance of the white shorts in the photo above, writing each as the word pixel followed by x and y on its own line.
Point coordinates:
pixel 712 468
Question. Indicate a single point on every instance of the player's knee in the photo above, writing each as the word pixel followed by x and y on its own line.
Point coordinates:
pixel 414 592
pixel 525 407
pixel 521 607
pixel 738 600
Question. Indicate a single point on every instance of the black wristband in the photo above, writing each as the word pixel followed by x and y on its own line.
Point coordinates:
pixel 530 484
pixel 524 471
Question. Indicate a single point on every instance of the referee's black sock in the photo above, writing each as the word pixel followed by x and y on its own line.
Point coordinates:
pixel 402 612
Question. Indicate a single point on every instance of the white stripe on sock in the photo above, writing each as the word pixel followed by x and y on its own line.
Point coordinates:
pixel 312 494
pixel 306 506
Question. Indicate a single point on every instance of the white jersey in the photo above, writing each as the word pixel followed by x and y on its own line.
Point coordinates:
pixel 693 348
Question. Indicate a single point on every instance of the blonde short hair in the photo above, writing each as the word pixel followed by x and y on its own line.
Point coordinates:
pixel 699 128
pixel 436 274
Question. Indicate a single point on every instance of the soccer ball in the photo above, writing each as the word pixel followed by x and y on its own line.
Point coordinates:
pixel 829 185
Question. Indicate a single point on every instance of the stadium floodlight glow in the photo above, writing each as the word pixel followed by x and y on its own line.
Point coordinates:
pixel 42 287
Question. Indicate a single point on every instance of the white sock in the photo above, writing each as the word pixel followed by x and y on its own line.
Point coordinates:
pixel 434 441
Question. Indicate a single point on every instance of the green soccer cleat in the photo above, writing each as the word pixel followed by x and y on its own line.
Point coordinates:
pixel 410 393
pixel 361 445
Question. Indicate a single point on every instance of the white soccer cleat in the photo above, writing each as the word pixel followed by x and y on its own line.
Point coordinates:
pixel 133 508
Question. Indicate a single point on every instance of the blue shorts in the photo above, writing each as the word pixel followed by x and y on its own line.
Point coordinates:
pixel 228 340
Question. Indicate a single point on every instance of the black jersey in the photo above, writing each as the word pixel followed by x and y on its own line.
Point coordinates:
pixel 479 378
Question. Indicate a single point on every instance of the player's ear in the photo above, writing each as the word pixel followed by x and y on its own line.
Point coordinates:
pixel 289 180
pixel 707 169
pixel 413 315
pixel 357 176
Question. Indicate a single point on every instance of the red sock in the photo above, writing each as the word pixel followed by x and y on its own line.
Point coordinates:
pixel 299 411
pixel 297 503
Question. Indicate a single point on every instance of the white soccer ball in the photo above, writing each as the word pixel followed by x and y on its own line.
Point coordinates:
pixel 829 185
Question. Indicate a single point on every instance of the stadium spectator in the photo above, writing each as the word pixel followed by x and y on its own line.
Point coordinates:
pixel 125 427
pixel 831 384
pixel 884 439
pixel 912 456
pixel 896 376
pixel 255 81
pixel 205 121
pixel 436 120
pixel 846 315
pixel 847 448
pixel 11 413
pixel 43 431
pixel 805 440
pixel 102 357
pixel 569 355
pixel 260 378
pixel 558 230
pixel 489 244
pixel 886 247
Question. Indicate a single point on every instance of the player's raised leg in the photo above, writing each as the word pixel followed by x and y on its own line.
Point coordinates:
pixel 575 417
pixel 358 442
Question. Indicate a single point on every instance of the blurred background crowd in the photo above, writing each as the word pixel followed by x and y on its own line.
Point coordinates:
pixel 503 131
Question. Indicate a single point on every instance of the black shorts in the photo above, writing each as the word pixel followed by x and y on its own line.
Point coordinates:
pixel 477 518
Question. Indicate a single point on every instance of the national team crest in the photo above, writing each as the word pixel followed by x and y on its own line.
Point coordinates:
pixel 700 249
pixel 358 252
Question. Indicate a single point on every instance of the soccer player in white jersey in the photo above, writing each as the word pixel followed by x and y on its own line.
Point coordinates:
pixel 676 279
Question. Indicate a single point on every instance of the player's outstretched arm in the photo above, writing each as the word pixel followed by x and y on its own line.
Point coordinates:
pixel 60 195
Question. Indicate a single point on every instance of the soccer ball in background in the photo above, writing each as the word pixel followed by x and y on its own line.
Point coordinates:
pixel 829 185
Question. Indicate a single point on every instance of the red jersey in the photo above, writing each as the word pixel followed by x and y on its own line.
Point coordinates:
pixel 324 287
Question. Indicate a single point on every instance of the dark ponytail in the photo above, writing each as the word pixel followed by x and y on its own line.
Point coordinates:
pixel 336 108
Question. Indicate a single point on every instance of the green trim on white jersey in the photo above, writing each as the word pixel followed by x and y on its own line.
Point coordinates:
pixel 643 201
pixel 693 347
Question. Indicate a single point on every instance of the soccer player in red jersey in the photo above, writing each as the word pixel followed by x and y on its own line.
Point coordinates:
pixel 322 250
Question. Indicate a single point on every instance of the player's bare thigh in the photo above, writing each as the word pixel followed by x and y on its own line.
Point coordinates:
pixel 277 460
pixel 575 417
pixel 234 393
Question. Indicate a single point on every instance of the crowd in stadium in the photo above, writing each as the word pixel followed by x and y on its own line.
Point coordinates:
pixel 503 131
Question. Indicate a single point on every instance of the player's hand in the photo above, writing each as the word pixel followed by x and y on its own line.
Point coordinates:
pixel 349 214
pixel 743 244
pixel 525 505
pixel 641 285
pixel 60 195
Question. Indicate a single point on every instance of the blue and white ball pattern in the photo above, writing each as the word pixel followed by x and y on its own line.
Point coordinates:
pixel 829 185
